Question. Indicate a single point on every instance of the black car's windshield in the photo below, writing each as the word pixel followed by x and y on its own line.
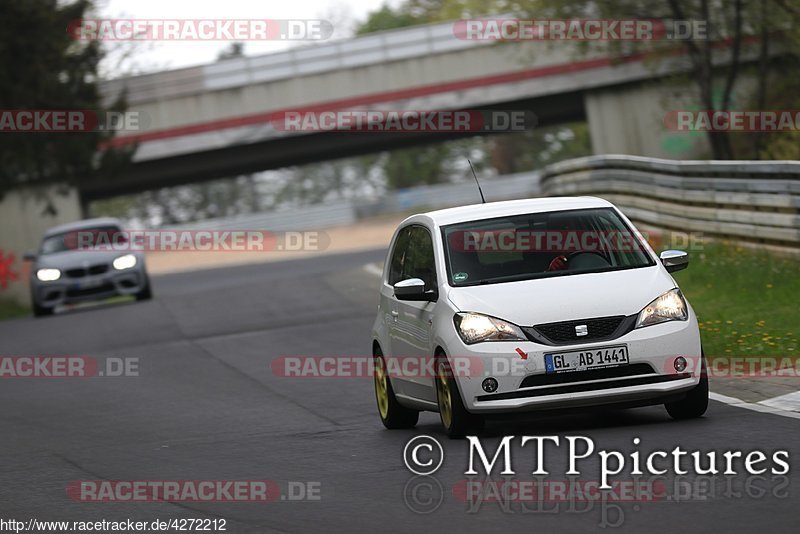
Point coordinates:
pixel 537 245
pixel 75 239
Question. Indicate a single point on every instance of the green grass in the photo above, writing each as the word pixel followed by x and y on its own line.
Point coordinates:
pixel 746 301
pixel 10 309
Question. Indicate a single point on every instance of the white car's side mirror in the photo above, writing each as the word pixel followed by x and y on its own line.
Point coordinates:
pixel 674 260
pixel 414 289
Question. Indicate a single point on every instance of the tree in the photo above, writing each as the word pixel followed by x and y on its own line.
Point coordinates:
pixel 46 69
pixel 733 23
pixel 235 49
pixel 764 25
pixel 388 18
pixel 507 153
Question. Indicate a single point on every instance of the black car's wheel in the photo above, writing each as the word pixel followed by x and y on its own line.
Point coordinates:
pixel 695 403
pixel 147 292
pixel 41 311
pixel 457 421
pixel 392 413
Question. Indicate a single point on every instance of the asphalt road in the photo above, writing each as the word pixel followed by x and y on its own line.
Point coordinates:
pixel 207 406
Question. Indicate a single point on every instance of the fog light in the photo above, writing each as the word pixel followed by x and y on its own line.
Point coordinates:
pixel 489 385
pixel 680 364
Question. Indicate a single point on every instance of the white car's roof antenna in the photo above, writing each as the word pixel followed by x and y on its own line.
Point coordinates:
pixel 476 181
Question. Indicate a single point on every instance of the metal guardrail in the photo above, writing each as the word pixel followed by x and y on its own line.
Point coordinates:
pixel 307 218
pixel 749 201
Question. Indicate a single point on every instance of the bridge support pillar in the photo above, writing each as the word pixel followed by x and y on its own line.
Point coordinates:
pixel 630 120
pixel 24 217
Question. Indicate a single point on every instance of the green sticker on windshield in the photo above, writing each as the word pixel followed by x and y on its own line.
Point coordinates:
pixel 460 277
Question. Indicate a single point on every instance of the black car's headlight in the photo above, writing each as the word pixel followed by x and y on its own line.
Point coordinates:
pixel 127 261
pixel 671 306
pixel 48 275
pixel 474 328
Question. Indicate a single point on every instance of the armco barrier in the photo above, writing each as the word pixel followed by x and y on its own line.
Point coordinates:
pixel 755 202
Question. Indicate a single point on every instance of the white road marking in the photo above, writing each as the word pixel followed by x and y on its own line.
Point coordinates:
pixel 790 402
pixel 733 401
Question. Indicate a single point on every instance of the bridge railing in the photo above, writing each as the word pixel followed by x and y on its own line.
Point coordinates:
pixel 754 202
pixel 377 48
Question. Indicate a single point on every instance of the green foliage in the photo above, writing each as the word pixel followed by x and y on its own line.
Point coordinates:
pixel 417 166
pixel 45 69
pixel 507 153
pixel 746 301
pixel 415 12
pixel 387 18
pixel 757 28
pixel 9 309
pixel 533 149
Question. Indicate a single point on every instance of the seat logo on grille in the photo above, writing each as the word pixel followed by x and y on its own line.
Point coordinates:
pixel 581 330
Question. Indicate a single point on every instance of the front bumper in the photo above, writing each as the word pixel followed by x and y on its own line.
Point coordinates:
pixel 89 288
pixel 652 350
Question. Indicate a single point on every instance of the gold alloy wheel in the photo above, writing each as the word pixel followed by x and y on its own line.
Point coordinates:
pixel 443 397
pixel 381 387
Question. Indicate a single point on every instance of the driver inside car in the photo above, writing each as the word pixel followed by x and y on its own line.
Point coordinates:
pixel 559 263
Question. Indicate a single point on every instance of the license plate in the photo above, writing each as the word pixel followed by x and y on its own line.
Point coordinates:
pixel 580 360
pixel 88 284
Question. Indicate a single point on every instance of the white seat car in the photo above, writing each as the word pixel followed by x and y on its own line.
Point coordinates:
pixel 529 305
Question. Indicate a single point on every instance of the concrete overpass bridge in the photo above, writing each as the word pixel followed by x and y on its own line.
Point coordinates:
pixel 216 120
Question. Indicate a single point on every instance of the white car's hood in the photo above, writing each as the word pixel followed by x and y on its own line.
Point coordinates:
pixel 564 298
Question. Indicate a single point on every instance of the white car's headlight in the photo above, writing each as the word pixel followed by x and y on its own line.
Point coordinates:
pixel 124 262
pixel 48 275
pixel 474 327
pixel 671 306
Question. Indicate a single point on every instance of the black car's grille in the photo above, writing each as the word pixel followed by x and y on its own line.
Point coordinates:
pixel 552 379
pixel 83 271
pixel 98 269
pixel 598 329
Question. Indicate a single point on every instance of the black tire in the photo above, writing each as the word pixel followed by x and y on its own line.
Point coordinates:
pixel 695 403
pixel 393 415
pixel 41 311
pixel 147 292
pixel 456 420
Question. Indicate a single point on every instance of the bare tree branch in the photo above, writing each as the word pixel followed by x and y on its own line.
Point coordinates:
pixel 733 71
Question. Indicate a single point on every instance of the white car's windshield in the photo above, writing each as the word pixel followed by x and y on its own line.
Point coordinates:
pixel 536 245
